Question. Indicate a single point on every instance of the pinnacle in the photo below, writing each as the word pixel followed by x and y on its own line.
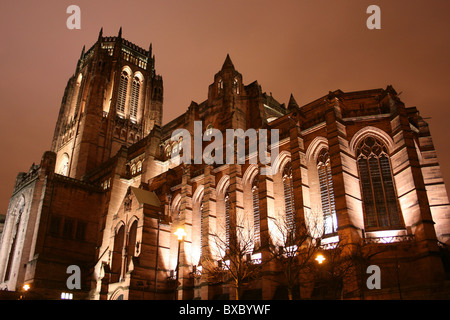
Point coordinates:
pixel 292 101
pixel 228 64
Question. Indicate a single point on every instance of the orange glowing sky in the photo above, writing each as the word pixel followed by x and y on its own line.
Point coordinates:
pixel 303 47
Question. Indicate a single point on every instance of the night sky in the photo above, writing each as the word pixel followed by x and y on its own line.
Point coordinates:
pixel 303 47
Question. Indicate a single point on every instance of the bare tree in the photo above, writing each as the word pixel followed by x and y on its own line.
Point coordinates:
pixel 231 259
pixel 294 247
pixel 346 262
pixel 335 269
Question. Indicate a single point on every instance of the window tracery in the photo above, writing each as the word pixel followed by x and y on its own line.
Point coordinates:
pixel 327 192
pixel 123 88
pixel 134 103
pixel 381 209
pixel 289 196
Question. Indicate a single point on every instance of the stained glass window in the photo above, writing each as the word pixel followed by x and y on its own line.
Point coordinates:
pixel 289 196
pixel 327 192
pixel 380 204
pixel 256 217
pixel 227 218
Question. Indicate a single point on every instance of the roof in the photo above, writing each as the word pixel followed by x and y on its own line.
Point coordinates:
pixel 147 197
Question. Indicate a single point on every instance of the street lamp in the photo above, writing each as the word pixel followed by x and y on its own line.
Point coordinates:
pixel 25 288
pixel 322 284
pixel 180 234
pixel 320 258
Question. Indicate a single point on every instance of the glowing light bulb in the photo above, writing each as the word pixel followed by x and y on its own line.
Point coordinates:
pixel 180 233
pixel 320 258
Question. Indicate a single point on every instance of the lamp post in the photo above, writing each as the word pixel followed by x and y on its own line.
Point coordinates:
pixel 320 259
pixel 180 234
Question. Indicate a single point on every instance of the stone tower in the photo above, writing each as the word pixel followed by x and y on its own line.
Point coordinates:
pixel 113 99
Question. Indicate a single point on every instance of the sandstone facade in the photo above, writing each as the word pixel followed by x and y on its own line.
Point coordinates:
pixel 112 191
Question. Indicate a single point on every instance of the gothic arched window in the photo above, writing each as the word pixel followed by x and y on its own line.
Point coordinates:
pixel 17 216
pixel 236 86
pixel 134 103
pixel 123 88
pixel 227 218
pixel 175 147
pixel 133 245
pixel 381 209
pixel 289 196
pixel 201 222
pixel 64 166
pixel 256 216
pixel 116 259
pixel 139 166
pixel 326 192
pixel 78 94
pixel 168 151
pixel 208 131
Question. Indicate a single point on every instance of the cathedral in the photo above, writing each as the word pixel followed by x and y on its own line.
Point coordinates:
pixel 354 183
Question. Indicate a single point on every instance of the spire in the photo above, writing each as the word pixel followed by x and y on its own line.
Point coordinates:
pixel 150 50
pixel 228 64
pixel 120 33
pixel 292 102
pixel 82 52
pixel 80 61
pixel 100 34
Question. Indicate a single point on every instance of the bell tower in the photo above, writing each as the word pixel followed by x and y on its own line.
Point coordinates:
pixel 113 99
